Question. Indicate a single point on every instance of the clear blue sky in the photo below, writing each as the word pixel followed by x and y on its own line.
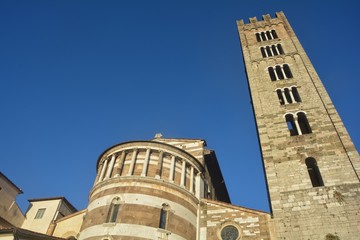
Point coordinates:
pixel 80 76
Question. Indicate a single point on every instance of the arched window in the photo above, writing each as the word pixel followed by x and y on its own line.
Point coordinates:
pixel 303 123
pixel 280 49
pixel 314 172
pixel 258 38
pixel 113 210
pixel 272 74
pixel 279 72
pixel 287 71
pixel 273 33
pixel 262 49
pixel 268 51
pixel 274 49
pixel 296 95
pixel 263 36
pixel 290 121
pixel 287 95
pixel 164 215
pixel 280 96
pixel 267 35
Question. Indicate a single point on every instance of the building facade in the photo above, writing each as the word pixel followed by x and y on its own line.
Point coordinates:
pixel 312 167
pixel 173 189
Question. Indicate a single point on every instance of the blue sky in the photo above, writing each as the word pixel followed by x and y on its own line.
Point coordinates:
pixel 80 76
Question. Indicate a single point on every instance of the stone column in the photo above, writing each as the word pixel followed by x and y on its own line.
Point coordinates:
pixel 159 165
pixel 110 167
pixel 297 126
pixel 146 163
pixel 104 167
pixel 191 179
pixel 121 160
pixel 172 169
pixel 284 96
pixel 132 164
pixel 183 173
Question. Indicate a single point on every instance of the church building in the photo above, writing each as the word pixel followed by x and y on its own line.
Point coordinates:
pixel 173 189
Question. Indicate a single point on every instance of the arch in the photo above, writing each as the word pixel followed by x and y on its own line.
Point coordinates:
pixel 314 172
pixel 290 121
pixel 113 210
pixel 164 215
pixel 303 123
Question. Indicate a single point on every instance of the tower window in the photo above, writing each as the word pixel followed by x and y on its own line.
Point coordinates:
pixel 272 50
pixel 266 35
pixel 314 172
pixel 297 124
pixel 290 122
pixel 40 213
pixel 303 123
pixel 114 210
pixel 280 72
pixel 164 216
pixel 288 95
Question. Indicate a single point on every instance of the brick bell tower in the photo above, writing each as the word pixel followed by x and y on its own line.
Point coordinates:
pixel 312 167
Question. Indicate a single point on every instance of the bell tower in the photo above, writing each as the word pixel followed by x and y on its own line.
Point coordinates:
pixel 312 167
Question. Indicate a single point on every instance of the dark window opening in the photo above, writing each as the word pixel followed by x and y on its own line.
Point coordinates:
pixel 287 71
pixel 279 72
pixel 272 74
pixel 258 37
pixel 163 216
pixel 275 51
pixel 263 52
pixel 273 33
pixel 296 94
pixel 291 124
pixel 113 211
pixel 263 37
pixel 303 123
pixel 280 49
pixel 314 172
pixel 269 53
pixel 280 96
pixel 287 95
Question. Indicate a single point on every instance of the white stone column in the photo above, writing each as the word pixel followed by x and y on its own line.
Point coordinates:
pixel 192 179
pixel 104 167
pixel 110 167
pixel 292 95
pixel 199 186
pixel 172 169
pixel 159 165
pixel 284 96
pixel 275 72
pixel 183 173
pixel 146 163
pixel 120 164
pixel 283 72
pixel 132 164
pixel 297 126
